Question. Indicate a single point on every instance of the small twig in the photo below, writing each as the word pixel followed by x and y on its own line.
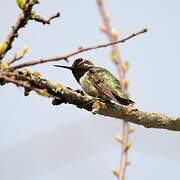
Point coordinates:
pixel 124 151
pixel 21 22
pixel 20 83
pixel 38 18
pixel 106 28
pixel 80 50
pixel 18 56
pixel 115 54
pixel 14 59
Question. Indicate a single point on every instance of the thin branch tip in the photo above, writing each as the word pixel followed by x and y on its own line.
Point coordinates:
pixel 77 51
pixel 22 20
pixel 146 29
pixel 42 20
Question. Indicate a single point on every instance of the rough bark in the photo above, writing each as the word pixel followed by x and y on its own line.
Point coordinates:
pixel 61 94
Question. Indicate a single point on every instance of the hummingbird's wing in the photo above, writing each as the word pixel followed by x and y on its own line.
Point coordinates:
pixel 107 84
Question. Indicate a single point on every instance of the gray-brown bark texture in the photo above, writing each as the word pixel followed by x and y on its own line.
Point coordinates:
pixel 60 94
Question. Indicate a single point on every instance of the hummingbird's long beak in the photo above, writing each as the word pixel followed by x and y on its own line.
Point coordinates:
pixel 66 67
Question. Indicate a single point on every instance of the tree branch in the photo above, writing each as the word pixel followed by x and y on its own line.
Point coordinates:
pixel 38 18
pixel 21 22
pixel 116 58
pixel 67 95
pixel 78 51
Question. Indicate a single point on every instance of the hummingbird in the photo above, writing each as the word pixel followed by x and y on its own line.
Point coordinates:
pixel 98 82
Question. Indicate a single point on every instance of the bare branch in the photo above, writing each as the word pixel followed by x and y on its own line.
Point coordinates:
pixel 24 17
pixel 78 51
pixel 38 18
pixel 17 56
pixel 20 23
pixel 116 58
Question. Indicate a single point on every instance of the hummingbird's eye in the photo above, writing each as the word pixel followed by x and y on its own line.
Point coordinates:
pixel 81 63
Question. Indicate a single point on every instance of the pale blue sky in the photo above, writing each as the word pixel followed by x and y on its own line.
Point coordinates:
pixel 39 141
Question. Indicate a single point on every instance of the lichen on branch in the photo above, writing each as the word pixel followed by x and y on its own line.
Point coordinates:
pixel 35 82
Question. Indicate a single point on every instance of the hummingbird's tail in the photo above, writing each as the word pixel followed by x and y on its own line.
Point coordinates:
pixel 123 101
pixel 126 101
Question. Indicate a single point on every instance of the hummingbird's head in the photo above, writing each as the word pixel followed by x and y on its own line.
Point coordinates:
pixel 82 64
pixel 79 67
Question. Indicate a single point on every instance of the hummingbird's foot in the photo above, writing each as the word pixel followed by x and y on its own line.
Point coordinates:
pixel 96 106
pixel 131 108
pixel 80 91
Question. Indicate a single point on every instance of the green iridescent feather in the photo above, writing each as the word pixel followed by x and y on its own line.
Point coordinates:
pixel 106 83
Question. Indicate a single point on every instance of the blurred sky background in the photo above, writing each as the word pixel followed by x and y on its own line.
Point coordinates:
pixel 39 141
